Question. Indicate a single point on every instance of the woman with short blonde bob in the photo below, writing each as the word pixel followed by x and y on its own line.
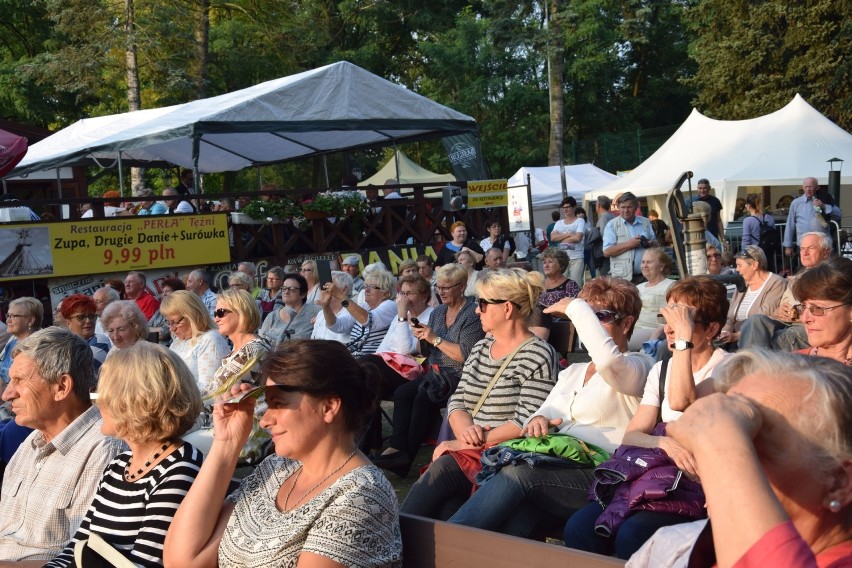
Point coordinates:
pixel 240 281
pixel 23 317
pixel 482 411
pixel 148 398
pixel 194 335
pixel 125 323
pixel 238 317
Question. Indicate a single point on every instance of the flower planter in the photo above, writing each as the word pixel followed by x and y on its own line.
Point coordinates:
pixel 311 215
pixel 238 218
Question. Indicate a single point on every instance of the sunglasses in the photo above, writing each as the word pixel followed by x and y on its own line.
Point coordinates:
pixel 484 303
pixel 744 254
pixel 257 392
pixel 608 316
pixel 222 312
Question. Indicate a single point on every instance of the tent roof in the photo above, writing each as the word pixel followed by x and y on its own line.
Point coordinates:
pixel 780 148
pixel 546 182
pixel 409 172
pixel 333 108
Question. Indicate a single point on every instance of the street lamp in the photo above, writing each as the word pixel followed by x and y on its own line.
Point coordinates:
pixel 834 178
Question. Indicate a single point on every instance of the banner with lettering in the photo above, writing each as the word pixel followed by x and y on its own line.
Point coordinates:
pixel 109 245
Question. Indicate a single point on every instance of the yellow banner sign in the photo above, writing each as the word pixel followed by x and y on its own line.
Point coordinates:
pixel 487 193
pixel 110 245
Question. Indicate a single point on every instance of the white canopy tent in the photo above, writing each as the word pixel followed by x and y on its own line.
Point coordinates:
pixel 778 149
pixel 333 108
pixel 405 170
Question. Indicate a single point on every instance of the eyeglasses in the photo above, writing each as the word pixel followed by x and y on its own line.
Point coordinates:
pixel 175 323
pixel 714 255
pixel 442 289
pixel 372 287
pixel 13 316
pixel 608 316
pixel 306 270
pixel 290 289
pixel 484 303
pixel 406 294
pixel 816 311
pixel 222 312
pixel 84 317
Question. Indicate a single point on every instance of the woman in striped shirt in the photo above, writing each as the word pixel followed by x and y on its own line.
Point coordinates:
pixel 367 322
pixel 148 398
pixel 477 414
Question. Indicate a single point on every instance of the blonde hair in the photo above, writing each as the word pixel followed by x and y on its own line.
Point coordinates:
pixel 453 273
pixel 383 279
pixel 183 303
pixel 240 278
pixel 241 303
pixel 405 265
pixel 149 392
pixel 514 285
pixel 33 308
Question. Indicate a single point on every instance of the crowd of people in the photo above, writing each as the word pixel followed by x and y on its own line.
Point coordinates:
pixel 130 414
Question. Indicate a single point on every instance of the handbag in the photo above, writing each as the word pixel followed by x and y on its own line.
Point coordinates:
pixel 95 552
pixel 439 384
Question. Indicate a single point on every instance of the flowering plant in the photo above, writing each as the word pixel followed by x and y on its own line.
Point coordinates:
pixel 349 204
pixel 270 211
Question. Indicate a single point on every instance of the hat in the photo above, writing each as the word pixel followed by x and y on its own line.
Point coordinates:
pixel 352 259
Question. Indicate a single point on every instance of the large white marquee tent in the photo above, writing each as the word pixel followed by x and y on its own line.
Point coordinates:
pixel 778 149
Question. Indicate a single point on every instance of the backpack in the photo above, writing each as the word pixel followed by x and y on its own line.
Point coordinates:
pixel 769 240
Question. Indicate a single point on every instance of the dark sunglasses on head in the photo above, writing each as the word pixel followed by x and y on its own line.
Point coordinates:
pixel 222 312
pixel 744 254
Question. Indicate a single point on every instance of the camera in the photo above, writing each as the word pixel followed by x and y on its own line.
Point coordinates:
pixel 643 240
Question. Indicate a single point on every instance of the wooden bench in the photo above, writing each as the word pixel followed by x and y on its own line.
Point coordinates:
pixel 427 543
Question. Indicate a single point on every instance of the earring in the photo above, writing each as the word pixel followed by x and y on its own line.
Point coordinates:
pixel 834 506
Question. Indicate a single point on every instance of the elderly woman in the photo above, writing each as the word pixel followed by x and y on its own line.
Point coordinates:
pixel 79 313
pixel 825 293
pixel 506 378
pixel 714 262
pixel 556 287
pixel 656 266
pixel 343 282
pixel 158 321
pixel 240 281
pixel 693 316
pixel 270 298
pixel 452 331
pixel 125 324
pixel 366 323
pixel 147 398
pixel 23 317
pixel 781 496
pixel 317 498
pixel 296 319
pixel 591 402
pixel 309 272
pixel 468 262
pixel 762 296
pixel 408 268
pixel 460 242
pixel 194 336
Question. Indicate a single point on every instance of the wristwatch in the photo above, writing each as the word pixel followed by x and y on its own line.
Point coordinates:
pixel 438 340
pixel 681 345
pixel 344 303
pixel 399 319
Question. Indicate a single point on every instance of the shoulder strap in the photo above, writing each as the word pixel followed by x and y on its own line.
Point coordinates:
pixel 663 370
pixel 496 376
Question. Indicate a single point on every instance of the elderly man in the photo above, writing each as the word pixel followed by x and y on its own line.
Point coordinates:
pixel 782 330
pixel 50 481
pixel 623 236
pixel 804 218
pixel 102 298
pixel 351 266
pixel 135 288
pixel 494 259
pixel 199 283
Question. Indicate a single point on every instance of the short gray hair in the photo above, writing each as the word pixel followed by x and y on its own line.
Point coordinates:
pixel 56 351
pixel 140 275
pixel 203 275
pixel 277 271
pixel 130 312
pixel 829 426
pixel 111 294
pixel 342 280
pixel 824 240
pixel 33 308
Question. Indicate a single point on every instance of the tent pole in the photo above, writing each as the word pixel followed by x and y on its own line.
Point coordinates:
pixel 530 210
pixel 325 170
pixel 58 183
pixel 5 189
pixel 396 162
pixel 259 179
pixel 120 176
pixel 196 150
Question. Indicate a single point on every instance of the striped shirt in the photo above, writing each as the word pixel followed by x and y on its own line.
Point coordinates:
pixel 134 516
pixel 520 390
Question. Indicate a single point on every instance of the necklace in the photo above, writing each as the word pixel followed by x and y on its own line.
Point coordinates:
pixel 815 353
pixel 309 491
pixel 152 457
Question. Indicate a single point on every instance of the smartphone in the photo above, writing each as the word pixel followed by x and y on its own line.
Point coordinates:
pixel 323 271
pixel 416 323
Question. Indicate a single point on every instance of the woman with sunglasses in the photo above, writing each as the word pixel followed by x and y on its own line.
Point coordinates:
pixel 318 501
pixel 194 336
pixel 507 376
pixel 79 313
pixel 762 296
pixel 693 317
pixel 309 273
pixel 593 402
pixel 295 319
pixel 825 293
pixel 450 334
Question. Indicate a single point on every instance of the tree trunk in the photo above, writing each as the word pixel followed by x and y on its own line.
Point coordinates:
pixel 556 67
pixel 134 95
pixel 202 36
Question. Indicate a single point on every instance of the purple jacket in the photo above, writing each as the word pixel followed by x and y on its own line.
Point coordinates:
pixel 642 479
